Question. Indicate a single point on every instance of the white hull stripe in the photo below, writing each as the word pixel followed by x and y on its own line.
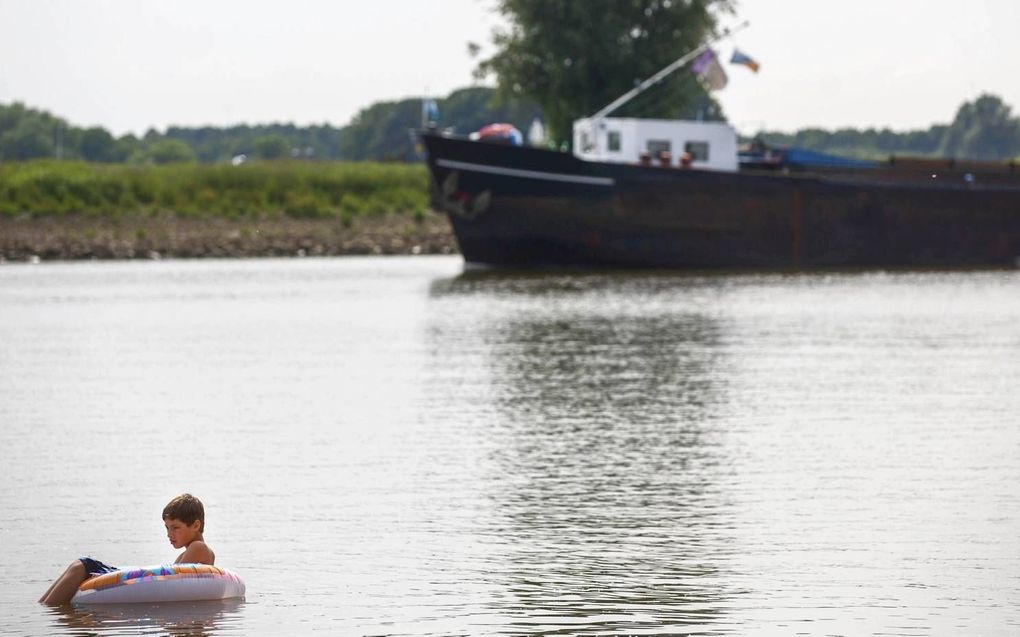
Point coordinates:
pixel 528 174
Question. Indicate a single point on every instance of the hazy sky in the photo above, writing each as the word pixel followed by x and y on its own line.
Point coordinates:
pixel 129 65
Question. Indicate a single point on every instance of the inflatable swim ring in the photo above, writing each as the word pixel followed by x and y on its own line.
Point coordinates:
pixel 163 583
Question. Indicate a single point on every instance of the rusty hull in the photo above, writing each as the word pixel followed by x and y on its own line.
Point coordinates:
pixel 524 207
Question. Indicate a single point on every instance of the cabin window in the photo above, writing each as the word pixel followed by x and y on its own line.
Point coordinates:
pixel 614 141
pixel 586 145
pixel 656 146
pixel 697 150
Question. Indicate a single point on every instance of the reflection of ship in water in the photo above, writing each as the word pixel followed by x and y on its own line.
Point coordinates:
pixel 604 476
pixel 194 619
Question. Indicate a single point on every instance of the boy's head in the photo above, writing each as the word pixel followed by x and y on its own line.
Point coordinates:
pixel 186 508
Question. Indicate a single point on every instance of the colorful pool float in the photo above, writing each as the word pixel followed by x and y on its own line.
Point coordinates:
pixel 163 583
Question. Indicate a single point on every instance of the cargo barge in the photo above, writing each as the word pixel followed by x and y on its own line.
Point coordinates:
pixel 528 207
pixel 681 194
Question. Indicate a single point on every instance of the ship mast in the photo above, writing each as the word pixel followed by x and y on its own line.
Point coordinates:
pixel 680 62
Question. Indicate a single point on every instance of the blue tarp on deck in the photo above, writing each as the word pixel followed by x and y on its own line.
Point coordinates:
pixel 805 157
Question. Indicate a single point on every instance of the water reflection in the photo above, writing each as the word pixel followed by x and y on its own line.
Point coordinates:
pixel 603 473
pixel 191 619
pixel 745 454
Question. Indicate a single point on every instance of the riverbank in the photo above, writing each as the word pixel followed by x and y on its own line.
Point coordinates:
pixel 76 210
pixel 69 237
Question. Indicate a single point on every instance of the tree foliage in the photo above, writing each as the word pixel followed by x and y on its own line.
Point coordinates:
pixel 382 130
pixel 97 144
pixel 869 143
pixel 386 130
pixel 213 144
pixel 575 56
pixel 168 151
pixel 26 133
pixel 983 129
pixel 467 110
pixel 272 147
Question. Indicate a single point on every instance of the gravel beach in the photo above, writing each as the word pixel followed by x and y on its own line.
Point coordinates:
pixel 88 237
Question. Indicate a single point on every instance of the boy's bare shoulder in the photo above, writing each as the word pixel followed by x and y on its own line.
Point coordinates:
pixel 198 552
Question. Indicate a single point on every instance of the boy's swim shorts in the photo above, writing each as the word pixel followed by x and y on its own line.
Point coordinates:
pixel 95 567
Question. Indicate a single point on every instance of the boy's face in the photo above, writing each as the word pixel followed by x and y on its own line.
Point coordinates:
pixel 181 534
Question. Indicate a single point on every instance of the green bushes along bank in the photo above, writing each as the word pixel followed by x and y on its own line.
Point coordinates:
pixel 299 190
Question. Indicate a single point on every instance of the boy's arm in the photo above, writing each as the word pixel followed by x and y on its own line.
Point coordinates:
pixel 196 553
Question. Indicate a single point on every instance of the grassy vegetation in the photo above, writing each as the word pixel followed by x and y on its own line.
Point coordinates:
pixel 301 190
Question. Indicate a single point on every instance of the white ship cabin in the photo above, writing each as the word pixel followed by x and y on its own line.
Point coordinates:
pixel 659 142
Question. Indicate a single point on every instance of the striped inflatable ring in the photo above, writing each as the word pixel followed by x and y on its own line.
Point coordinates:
pixel 163 583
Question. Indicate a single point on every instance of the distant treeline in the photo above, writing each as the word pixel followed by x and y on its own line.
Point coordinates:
pixel 984 129
pixel 380 132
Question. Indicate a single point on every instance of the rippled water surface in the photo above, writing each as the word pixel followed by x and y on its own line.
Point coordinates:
pixel 394 446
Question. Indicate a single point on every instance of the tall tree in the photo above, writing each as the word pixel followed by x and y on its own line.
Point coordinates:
pixel 97 144
pixel 575 56
pixel 168 151
pixel 382 131
pixel 468 109
pixel 27 133
pixel 272 147
pixel 30 139
pixel 983 129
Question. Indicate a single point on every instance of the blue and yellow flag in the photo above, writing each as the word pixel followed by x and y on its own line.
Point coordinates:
pixel 746 60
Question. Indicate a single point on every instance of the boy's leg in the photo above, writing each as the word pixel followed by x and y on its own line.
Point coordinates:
pixel 62 590
pixel 52 586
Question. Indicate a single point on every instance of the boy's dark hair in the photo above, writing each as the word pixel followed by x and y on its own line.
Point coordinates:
pixel 186 508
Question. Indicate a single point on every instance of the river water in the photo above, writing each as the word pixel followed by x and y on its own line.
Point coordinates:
pixel 393 446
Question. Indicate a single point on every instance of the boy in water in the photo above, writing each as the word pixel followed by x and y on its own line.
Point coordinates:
pixel 184 518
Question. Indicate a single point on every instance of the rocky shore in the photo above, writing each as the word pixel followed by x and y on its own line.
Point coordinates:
pixel 87 237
